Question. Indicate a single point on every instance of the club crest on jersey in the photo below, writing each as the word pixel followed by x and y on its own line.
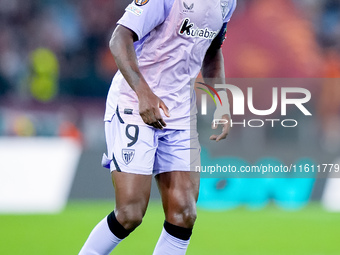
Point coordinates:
pixel 141 2
pixel 187 29
pixel 128 155
pixel 225 7
pixel 187 7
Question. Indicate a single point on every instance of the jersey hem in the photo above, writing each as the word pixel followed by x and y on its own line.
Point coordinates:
pixel 108 118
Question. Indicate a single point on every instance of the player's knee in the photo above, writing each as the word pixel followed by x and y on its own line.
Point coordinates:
pixel 184 216
pixel 189 217
pixel 130 217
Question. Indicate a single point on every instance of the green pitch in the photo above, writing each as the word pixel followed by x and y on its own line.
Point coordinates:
pixel 271 231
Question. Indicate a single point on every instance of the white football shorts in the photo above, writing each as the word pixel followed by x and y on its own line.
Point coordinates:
pixel 146 150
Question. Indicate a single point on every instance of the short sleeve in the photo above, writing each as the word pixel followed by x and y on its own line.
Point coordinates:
pixel 231 11
pixel 142 16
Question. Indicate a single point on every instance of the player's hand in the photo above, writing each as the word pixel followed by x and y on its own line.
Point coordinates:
pixel 149 105
pixel 225 123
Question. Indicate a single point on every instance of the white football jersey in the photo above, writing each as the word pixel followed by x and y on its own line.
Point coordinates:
pixel 173 37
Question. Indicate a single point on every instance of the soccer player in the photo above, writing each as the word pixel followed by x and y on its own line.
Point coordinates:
pixel 159 46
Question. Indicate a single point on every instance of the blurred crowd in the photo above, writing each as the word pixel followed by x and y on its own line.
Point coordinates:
pixel 56 49
pixel 76 31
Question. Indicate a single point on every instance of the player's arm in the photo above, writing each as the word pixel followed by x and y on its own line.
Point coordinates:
pixel 213 67
pixel 123 51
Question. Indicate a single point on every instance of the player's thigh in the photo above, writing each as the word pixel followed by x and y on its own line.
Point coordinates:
pixel 132 191
pixel 178 185
pixel 131 153
pixel 179 192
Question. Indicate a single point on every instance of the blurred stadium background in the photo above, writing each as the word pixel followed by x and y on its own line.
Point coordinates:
pixel 55 71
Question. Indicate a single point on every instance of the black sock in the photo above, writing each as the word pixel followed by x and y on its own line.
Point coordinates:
pixel 178 232
pixel 116 228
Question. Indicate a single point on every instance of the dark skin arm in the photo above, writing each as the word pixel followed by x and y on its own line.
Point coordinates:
pixel 213 67
pixel 122 49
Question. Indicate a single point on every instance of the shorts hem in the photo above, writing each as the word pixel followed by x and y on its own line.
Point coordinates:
pixel 139 172
pixel 156 172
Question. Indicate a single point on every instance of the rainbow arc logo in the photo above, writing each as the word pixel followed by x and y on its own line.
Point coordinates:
pixel 209 93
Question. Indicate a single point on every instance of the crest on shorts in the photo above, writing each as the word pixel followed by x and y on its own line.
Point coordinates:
pixel 128 155
pixel 225 8
pixel 141 2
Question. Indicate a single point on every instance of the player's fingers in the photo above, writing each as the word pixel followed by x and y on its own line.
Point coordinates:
pixel 155 120
pixel 224 134
pixel 213 137
pixel 158 125
pixel 162 122
pixel 164 108
pixel 150 120
pixel 159 118
pixel 146 118
pixel 221 137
